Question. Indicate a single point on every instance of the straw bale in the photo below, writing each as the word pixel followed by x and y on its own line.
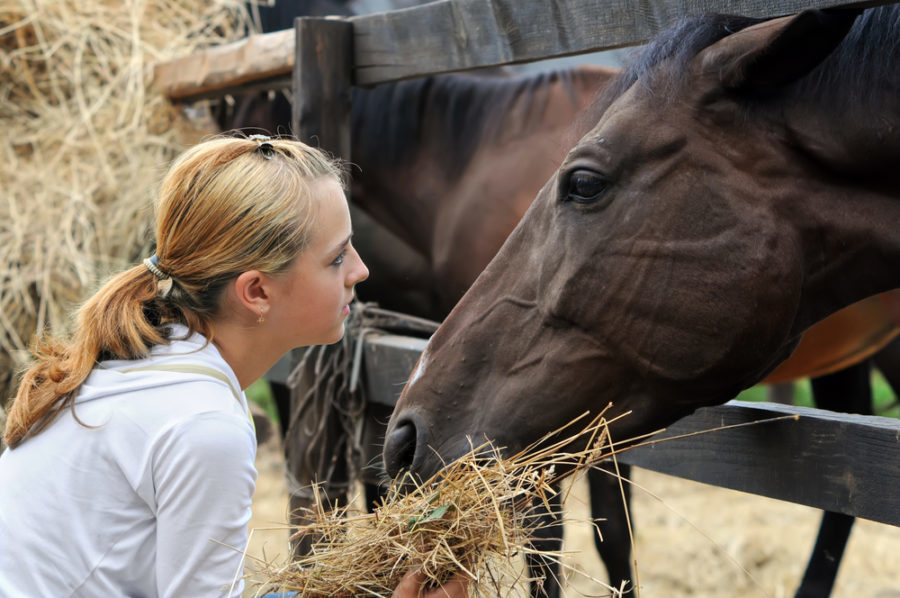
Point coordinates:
pixel 85 140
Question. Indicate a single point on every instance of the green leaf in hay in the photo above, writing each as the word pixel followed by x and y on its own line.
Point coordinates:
pixel 434 514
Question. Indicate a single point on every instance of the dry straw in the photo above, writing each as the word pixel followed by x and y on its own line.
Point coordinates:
pixel 476 517
pixel 85 140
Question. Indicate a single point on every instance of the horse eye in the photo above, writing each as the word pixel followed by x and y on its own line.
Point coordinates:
pixel 585 186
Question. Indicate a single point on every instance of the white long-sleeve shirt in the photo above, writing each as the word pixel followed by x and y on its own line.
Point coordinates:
pixel 152 500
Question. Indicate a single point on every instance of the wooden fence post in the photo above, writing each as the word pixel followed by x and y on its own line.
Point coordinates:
pixel 322 82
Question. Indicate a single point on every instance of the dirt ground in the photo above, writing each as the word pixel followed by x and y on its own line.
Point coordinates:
pixel 691 540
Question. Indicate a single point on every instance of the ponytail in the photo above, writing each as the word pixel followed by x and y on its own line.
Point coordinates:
pixel 121 321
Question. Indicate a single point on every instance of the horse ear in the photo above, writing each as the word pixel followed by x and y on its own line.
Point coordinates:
pixel 778 52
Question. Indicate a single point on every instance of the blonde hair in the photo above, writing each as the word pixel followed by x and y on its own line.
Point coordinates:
pixel 226 206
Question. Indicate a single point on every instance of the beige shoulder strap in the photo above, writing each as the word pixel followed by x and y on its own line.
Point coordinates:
pixel 189 368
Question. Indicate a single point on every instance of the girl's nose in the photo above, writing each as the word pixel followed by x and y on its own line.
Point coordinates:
pixel 360 272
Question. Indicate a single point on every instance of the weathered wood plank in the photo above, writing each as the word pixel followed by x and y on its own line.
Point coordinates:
pixel 223 68
pixel 453 35
pixel 840 462
pixel 388 361
pixel 320 111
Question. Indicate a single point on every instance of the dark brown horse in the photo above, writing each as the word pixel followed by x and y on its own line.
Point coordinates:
pixel 433 203
pixel 442 179
pixel 716 211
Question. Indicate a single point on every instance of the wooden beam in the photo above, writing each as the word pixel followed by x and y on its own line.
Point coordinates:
pixel 834 461
pixel 224 68
pixel 453 35
pixel 456 35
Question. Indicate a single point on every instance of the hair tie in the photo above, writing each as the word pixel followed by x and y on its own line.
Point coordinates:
pixel 152 264
pixel 263 145
pixel 164 280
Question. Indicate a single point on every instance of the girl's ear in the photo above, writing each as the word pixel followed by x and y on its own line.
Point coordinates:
pixel 251 291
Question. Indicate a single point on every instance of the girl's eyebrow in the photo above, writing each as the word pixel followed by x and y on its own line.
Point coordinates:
pixel 340 247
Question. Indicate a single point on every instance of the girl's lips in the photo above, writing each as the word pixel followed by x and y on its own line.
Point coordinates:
pixel 346 309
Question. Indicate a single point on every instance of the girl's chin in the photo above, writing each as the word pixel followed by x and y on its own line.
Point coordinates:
pixel 338 335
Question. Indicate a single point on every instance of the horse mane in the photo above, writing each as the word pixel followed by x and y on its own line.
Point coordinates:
pixel 392 123
pixel 866 58
pixel 867 55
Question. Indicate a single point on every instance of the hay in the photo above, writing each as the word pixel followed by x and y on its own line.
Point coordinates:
pixel 85 141
pixel 476 517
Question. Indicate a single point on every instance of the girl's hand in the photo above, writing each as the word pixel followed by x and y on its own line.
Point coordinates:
pixel 409 587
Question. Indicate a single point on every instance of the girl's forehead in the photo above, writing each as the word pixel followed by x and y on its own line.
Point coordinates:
pixel 326 185
pixel 332 216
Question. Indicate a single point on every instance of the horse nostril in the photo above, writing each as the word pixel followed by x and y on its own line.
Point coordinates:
pixel 400 448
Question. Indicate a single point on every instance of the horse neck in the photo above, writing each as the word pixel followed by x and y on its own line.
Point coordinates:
pixel 851 245
pixel 386 149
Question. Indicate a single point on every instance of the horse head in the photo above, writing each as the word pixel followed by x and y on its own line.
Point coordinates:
pixel 710 216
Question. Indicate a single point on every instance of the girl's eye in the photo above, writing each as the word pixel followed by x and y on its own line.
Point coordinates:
pixel 339 259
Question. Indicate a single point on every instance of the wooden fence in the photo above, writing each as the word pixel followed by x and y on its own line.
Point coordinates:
pixel 843 463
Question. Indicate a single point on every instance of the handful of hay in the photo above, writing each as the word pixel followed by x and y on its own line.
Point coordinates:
pixel 475 517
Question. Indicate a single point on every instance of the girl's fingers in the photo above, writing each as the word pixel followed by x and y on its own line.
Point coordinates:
pixel 412 582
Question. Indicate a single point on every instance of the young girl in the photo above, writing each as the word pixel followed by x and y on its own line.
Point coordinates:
pixel 130 467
